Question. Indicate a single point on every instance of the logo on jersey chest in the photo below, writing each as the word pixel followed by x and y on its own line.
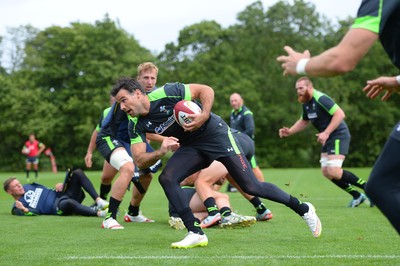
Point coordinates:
pixel 32 197
pixel 163 109
pixel 165 125
pixel 311 114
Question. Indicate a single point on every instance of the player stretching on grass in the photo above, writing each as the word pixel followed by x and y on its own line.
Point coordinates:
pixel 65 199
pixel 205 139
pixel 334 135
pixel 376 19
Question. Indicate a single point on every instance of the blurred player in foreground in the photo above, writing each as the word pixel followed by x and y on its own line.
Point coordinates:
pixel 376 19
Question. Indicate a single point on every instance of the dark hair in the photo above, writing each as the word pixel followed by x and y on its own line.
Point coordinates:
pixel 7 183
pixel 126 83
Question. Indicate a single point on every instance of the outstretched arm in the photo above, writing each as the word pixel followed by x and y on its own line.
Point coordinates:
pixel 300 125
pixel 388 84
pixel 335 61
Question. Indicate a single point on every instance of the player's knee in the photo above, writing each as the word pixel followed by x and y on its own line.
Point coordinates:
pixel 107 179
pixel 166 180
pixel 146 177
pixel 251 190
pixel 121 161
pixel 376 187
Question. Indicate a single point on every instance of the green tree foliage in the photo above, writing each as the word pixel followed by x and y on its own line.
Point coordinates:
pixel 61 86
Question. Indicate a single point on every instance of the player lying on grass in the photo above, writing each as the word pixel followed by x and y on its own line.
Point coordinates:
pixel 65 199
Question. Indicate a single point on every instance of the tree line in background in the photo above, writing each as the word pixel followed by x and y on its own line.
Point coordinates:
pixel 58 81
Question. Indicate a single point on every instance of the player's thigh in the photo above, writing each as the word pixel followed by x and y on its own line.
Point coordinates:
pixel 213 173
pixel 196 204
pixel 184 162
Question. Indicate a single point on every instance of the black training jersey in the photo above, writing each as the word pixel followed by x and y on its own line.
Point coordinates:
pixel 383 18
pixel 114 124
pixel 319 111
pixel 243 121
pixel 160 119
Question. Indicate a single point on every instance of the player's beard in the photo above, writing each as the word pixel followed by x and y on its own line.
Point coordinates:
pixel 305 97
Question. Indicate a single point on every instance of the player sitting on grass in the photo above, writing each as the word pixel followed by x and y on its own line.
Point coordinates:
pixel 65 199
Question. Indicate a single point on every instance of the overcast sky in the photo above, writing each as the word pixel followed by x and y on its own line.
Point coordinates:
pixel 153 23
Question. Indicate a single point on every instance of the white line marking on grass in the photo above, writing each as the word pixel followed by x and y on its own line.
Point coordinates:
pixel 235 257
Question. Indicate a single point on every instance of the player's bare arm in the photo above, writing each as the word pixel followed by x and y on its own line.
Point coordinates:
pixel 335 61
pixel 205 95
pixel 90 149
pixel 337 118
pixel 389 85
pixel 145 159
pixel 300 125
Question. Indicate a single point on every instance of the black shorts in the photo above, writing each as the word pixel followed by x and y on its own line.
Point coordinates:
pixel 107 145
pixel 337 144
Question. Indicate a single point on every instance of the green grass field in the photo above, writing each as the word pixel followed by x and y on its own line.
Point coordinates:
pixel 360 236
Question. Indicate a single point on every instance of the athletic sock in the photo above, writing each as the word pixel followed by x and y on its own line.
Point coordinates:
pixel 36 173
pixel 296 205
pixel 260 207
pixel 211 206
pixel 191 223
pixel 104 190
pixel 133 210
pixel 347 187
pixel 351 178
pixel 225 211
pixel 27 174
pixel 113 208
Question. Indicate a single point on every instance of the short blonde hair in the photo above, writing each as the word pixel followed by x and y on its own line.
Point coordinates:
pixel 7 183
pixel 146 66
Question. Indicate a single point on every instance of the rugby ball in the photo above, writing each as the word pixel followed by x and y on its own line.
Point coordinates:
pixel 26 150
pixel 182 109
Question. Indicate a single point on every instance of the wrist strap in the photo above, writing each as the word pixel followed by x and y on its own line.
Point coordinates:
pixel 301 66
pixel 398 79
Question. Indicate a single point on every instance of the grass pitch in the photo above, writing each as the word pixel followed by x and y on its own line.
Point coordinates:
pixel 359 236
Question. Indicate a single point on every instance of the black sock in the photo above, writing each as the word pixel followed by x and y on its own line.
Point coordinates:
pixel 225 211
pixel 133 210
pixel 296 205
pixel 113 207
pixel 347 187
pixel 104 190
pixel 260 207
pixel 27 174
pixel 211 206
pixel 191 223
pixel 351 178
pixel 36 173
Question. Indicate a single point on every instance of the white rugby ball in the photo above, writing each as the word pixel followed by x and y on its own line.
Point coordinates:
pixel 182 109
pixel 26 150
